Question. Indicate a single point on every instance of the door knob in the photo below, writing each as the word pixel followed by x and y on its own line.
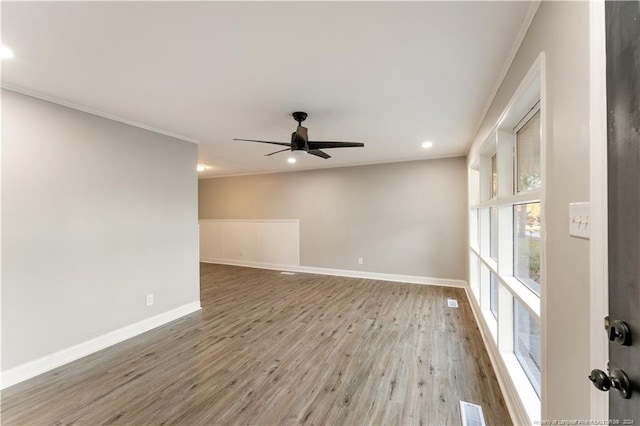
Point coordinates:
pixel 617 380
pixel 619 332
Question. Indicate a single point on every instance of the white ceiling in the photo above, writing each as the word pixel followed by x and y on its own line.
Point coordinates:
pixel 390 74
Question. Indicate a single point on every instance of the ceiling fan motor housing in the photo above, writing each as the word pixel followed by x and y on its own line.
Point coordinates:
pixel 299 139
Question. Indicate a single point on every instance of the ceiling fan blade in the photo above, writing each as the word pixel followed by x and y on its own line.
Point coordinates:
pixel 282 150
pixel 319 153
pixel 273 143
pixel 327 144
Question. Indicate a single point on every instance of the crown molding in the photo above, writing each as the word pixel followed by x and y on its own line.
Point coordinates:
pixel 53 99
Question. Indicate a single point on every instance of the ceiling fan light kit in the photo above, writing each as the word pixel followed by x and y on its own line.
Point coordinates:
pixel 300 143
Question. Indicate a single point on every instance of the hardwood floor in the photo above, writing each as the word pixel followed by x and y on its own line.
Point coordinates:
pixel 270 349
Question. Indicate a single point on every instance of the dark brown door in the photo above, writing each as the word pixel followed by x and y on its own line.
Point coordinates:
pixel 623 123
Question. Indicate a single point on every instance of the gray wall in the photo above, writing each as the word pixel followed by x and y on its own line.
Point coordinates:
pixel 95 215
pixel 561 30
pixel 401 218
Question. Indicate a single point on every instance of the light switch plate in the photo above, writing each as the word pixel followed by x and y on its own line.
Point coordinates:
pixel 579 225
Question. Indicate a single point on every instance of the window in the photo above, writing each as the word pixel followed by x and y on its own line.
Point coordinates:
pixel 526 245
pixel 506 239
pixel 528 153
pixel 493 295
pixel 477 234
pixel 494 175
pixel 493 229
pixel 526 344
pixel 474 228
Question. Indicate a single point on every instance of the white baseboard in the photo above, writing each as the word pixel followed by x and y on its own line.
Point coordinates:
pixel 517 411
pixel 412 279
pixel 33 368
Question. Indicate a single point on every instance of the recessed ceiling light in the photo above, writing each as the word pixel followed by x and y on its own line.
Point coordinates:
pixel 202 167
pixel 5 52
pixel 291 160
pixel 427 144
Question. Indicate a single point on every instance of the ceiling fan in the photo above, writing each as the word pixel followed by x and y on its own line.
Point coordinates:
pixel 300 141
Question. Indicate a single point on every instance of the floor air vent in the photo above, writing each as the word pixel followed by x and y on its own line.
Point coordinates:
pixel 471 414
pixel 452 303
pixel 287 273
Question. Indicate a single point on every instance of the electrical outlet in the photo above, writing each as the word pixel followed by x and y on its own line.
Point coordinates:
pixel 360 261
pixel 149 299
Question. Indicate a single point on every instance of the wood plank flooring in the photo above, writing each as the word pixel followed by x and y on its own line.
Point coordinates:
pixel 271 349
